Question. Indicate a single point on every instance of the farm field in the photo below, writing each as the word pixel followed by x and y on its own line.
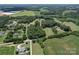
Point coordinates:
pixel 37 50
pixel 26 13
pixel 62 46
pixel 73 26
pixel 7 50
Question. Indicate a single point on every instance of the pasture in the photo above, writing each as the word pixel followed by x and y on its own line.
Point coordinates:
pixel 62 46
pixel 7 50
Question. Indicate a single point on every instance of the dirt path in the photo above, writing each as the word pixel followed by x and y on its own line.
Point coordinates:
pixel 27 34
pixel 30 47
pixel 7 44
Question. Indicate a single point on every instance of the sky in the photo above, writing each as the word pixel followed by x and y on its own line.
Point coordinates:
pixel 39 1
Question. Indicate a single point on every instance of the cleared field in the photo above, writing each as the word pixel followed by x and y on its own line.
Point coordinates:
pixel 66 45
pixel 69 11
pixel 57 20
pixel 6 50
pixel 36 49
pixel 26 13
pixel 73 26
pixel 48 32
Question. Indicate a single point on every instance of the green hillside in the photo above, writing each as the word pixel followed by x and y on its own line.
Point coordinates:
pixel 26 13
pixel 66 45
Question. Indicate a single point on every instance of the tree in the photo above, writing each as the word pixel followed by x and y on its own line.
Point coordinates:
pixel 35 32
pixel 17 40
pixel 37 23
pixel 24 36
pixel 54 30
pixel 48 23
pixel 9 37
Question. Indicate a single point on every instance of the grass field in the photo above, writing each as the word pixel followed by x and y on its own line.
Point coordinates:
pixel 26 13
pixel 57 20
pixel 6 50
pixel 36 49
pixel 73 26
pixel 48 32
pixel 69 11
pixel 66 45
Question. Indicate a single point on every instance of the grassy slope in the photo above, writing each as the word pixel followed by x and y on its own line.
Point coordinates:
pixel 73 26
pixel 48 32
pixel 26 13
pixel 5 50
pixel 37 50
pixel 65 45
pixel 69 11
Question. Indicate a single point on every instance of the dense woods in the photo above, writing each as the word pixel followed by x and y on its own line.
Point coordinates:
pixel 35 32
pixel 25 19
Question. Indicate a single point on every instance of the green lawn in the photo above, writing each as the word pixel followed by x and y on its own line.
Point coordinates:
pixel 7 50
pixel 66 45
pixel 36 49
